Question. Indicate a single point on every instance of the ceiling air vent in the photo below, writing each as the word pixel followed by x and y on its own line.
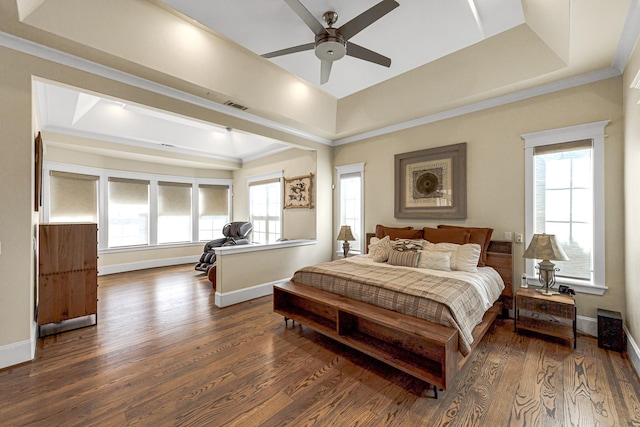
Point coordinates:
pixel 234 105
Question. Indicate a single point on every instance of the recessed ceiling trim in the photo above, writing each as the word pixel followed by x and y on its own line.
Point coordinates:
pixel 31 48
pixel 628 37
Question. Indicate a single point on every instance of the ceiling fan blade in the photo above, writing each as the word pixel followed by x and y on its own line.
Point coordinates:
pixel 308 18
pixel 325 71
pixel 294 49
pixel 366 18
pixel 363 53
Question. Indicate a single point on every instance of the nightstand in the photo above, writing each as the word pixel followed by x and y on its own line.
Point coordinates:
pixel 544 314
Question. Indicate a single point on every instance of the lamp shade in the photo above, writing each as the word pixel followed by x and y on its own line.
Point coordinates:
pixel 345 234
pixel 545 247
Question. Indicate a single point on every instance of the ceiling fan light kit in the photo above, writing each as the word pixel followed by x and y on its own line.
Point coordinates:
pixel 330 47
pixel 331 44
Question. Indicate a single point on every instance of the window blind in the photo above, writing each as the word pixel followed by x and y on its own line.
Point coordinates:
pixel 73 197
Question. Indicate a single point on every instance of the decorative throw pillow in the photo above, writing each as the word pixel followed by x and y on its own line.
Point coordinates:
pixel 372 243
pixel 403 245
pixel 463 257
pixel 467 257
pixel 404 258
pixel 380 251
pixel 435 260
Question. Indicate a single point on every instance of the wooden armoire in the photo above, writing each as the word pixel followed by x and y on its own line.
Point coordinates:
pixel 68 273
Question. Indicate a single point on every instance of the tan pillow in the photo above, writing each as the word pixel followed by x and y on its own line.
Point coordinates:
pixel 405 259
pixel 397 233
pixel 444 235
pixel 380 250
pixel 479 235
pixel 435 260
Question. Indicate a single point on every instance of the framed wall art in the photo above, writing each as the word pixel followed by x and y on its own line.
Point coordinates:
pixel 298 191
pixel 432 183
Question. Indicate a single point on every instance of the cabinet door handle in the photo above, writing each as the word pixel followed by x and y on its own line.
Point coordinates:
pixel 543 307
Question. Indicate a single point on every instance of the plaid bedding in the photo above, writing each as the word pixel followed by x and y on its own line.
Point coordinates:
pixel 444 300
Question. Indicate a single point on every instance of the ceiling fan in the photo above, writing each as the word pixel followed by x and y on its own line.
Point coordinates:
pixel 332 44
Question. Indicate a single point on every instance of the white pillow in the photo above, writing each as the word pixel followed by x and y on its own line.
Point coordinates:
pixel 435 260
pixel 380 250
pixel 372 242
pixel 467 257
pixel 463 257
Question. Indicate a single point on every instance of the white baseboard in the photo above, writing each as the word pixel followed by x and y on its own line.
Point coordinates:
pixel 142 265
pixel 242 295
pixel 587 325
pixel 16 353
pixel 633 351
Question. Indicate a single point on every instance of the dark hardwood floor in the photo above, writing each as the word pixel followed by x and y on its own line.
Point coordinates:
pixel 163 354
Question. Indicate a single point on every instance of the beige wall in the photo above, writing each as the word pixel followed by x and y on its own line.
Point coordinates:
pixel 495 169
pixel 70 156
pixel 297 223
pixel 632 199
pixel 243 270
pixel 16 202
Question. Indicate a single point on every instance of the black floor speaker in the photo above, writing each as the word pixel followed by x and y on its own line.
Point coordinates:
pixel 610 333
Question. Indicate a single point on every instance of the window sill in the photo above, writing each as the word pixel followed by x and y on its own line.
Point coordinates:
pixel 148 247
pixel 579 286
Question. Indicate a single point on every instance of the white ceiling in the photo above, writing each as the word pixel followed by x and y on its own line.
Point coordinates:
pixel 413 34
pixel 68 111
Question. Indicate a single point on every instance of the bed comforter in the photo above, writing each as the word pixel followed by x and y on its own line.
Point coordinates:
pixel 454 299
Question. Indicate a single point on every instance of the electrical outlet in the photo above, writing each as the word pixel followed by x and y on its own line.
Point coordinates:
pixel 518 237
pixel 508 236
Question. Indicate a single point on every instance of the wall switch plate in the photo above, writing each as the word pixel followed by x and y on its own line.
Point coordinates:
pixel 518 237
pixel 508 236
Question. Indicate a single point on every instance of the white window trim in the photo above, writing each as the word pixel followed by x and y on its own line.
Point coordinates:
pixel 279 175
pixel 594 132
pixel 343 170
pixel 103 214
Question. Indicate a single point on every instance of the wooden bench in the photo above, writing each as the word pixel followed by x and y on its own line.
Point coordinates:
pixel 426 350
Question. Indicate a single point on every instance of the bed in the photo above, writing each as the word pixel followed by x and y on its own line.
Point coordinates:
pixel 387 311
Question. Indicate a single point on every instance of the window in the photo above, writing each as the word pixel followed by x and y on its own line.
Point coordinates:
pixel 136 210
pixel 214 211
pixel 350 204
pixel 564 196
pixel 73 197
pixel 265 207
pixel 174 212
pixel 128 212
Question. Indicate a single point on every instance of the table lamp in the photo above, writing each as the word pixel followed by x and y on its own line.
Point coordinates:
pixel 545 247
pixel 345 235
